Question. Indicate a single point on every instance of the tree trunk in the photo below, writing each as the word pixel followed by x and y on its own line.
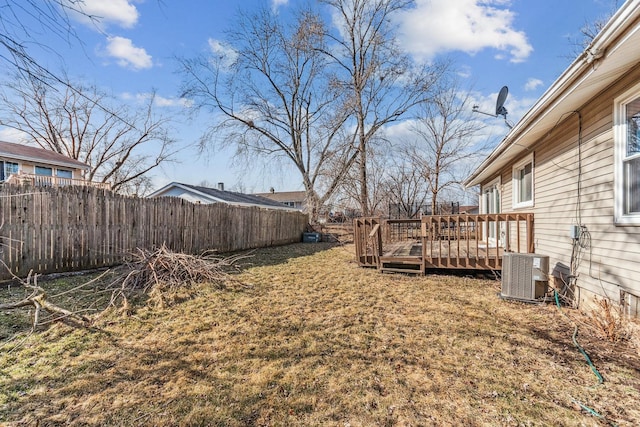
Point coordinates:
pixel 364 191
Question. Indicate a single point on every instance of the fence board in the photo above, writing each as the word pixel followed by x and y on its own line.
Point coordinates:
pixel 51 230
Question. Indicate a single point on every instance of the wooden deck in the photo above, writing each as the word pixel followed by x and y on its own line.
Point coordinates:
pixel 442 242
pixel 400 256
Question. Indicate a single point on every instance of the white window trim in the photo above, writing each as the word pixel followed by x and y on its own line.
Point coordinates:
pixel 620 147
pixel 497 182
pixel 4 167
pixel 515 183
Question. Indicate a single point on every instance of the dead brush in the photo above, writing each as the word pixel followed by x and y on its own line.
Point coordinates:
pixel 608 320
pixel 167 277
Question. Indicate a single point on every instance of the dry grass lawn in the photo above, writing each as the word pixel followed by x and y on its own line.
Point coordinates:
pixel 318 341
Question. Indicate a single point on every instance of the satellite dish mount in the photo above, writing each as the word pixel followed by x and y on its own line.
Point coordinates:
pixel 500 109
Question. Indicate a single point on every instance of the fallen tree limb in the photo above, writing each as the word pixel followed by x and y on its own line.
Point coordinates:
pixel 38 301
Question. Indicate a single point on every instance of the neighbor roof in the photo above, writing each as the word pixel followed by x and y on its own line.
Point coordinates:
pixel 230 197
pixel 38 155
pixel 285 196
pixel 609 56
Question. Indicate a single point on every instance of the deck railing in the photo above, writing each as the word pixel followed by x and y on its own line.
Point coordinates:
pixel 444 241
pixel 475 241
pixel 54 181
pixel 368 241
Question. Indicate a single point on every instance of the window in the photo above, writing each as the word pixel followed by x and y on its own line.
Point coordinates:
pixel 63 173
pixel 523 183
pixel 290 204
pixel 627 157
pixel 41 170
pixel 8 169
pixel 490 204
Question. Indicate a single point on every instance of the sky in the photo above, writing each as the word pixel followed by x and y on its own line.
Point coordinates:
pixel 522 44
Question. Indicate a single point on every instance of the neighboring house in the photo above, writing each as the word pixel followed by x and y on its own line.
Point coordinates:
pixel 573 160
pixel 469 210
pixel 206 195
pixel 21 163
pixel 292 199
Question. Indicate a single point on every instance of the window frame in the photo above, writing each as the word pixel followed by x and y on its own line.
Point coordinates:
pixel 497 183
pixel 516 182
pixel 620 216
pixel 6 173
pixel 66 171
pixel 38 168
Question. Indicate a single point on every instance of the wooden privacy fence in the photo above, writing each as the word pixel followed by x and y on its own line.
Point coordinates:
pixel 75 228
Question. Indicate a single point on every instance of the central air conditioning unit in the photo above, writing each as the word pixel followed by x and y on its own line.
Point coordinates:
pixel 524 276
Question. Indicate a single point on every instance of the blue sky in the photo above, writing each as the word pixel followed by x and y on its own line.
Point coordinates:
pixel 523 44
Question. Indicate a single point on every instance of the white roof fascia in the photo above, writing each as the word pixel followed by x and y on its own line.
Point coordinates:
pixel 37 160
pixel 579 71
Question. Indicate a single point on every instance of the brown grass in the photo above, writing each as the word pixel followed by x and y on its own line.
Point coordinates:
pixel 608 320
pixel 318 341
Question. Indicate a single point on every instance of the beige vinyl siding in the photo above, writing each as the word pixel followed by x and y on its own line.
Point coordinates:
pixel 30 168
pixel 612 262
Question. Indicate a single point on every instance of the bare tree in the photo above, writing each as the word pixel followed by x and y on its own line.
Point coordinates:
pixel 447 146
pixel 590 30
pixel 17 37
pixel 381 82
pixel 407 190
pixel 276 99
pixel 120 145
pixel 379 162
pixel 27 27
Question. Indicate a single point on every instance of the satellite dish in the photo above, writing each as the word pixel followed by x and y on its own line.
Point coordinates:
pixel 502 97
pixel 500 110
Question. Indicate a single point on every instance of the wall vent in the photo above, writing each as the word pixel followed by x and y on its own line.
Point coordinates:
pixel 524 276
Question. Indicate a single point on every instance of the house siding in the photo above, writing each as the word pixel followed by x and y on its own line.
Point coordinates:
pixel 30 167
pixel 610 263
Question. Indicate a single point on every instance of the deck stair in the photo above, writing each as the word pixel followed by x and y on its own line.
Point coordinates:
pixel 403 257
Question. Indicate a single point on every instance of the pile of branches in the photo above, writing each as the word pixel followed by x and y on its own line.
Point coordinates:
pixel 161 276
pixel 165 275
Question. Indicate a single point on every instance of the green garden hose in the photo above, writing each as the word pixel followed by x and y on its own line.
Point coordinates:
pixel 575 341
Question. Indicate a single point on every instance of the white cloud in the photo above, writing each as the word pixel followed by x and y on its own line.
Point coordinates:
pixel 434 27
pixel 532 84
pixel 223 53
pixel 401 133
pixel 158 101
pixel 13 135
pixel 127 54
pixel 465 72
pixel 118 12
pixel 161 101
pixel 275 4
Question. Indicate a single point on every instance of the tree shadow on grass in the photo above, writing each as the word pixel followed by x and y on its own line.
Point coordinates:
pixel 263 257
